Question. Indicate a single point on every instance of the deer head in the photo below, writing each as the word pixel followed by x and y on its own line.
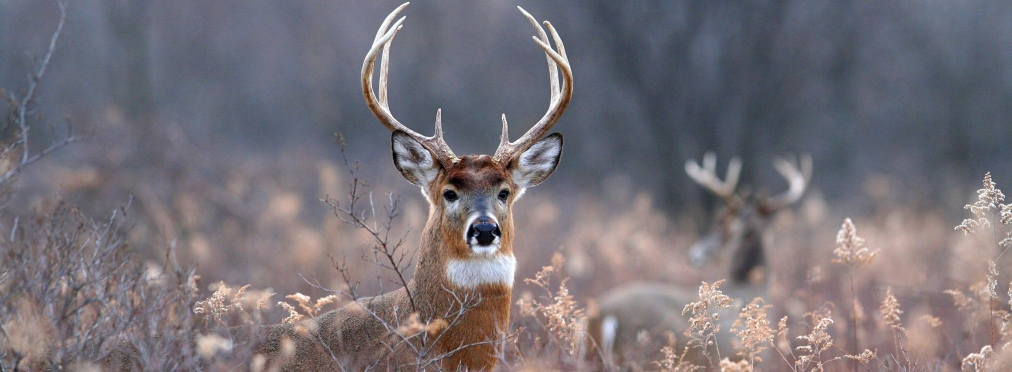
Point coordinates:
pixel 736 236
pixel 739 225
pixel 471 197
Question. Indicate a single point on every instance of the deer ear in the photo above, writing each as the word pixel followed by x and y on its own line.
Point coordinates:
pixel 413 160
pixel 537 163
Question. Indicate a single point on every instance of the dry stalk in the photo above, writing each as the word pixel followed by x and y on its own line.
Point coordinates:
pixel 851 252
pixel 558 312
pixel 753 329
pixel 704 324
pixel 990 216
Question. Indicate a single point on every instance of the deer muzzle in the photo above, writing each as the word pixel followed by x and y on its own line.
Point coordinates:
pixel 483 234
pixel 704 250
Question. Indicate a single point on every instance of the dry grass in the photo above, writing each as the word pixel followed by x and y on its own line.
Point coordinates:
pixel 955 319
pixel 942 306
pixel 753 329
pixel 557 316
pixel 704 323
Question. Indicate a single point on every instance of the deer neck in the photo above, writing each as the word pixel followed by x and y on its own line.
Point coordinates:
pixel 492 272
pixel 472 295
pixel 442 276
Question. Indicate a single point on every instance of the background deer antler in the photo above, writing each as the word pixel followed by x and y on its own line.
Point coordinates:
pixel 706 176
pixel 558 102
pixel 797 180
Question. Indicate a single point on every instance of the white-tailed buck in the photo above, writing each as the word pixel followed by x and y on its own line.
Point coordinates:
pixel 735 244
pixel 464 274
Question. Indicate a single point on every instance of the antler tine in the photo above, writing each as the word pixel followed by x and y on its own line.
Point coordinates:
pixel 384 37
pixel 706 176
pixel 504 138
pixel 553 70
pixel 797 181
pixel 733 172
pixel 560 94
pixel 381 108
pixel 384 78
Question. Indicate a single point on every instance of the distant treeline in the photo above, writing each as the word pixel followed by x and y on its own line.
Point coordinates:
pixel 911 95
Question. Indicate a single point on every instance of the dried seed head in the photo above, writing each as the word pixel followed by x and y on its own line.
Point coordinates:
pixel 850 249
pixel 890 310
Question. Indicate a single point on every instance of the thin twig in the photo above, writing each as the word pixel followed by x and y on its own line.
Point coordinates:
pixel 33 84
pixel 21 109
pixel 380 232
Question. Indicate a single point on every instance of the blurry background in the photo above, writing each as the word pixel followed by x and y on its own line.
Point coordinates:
pixel 218 118
pixel 914 92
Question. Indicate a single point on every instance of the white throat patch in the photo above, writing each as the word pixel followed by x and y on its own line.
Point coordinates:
pixel 495 269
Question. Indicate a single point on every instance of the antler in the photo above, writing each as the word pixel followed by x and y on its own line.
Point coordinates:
pixel 797 180
pixel 707 177
pixel 557 104
pixel 379 106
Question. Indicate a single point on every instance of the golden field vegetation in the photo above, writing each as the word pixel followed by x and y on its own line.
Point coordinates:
pixel 263 241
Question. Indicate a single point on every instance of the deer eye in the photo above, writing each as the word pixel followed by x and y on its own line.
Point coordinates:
pixel 450 195
pixel 504 195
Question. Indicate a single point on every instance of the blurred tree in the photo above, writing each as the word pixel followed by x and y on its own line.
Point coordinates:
pixel 917 91
pixel 131 77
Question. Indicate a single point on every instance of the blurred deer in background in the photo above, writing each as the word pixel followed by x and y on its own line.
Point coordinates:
pixel 464 274
pixel 735 244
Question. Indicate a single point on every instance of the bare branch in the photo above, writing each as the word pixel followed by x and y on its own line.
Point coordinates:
pixel 22 108
pixel 386 254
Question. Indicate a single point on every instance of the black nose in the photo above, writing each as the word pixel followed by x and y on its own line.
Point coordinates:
pixel 484 231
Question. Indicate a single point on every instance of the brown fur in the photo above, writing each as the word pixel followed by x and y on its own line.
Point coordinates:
pixel 352 337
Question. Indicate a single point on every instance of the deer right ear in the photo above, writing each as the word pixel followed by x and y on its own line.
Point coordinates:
pixel 538 162
pixel 413 160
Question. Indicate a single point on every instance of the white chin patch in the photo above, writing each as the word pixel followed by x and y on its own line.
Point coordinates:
pixel 489 269
pixel 483 250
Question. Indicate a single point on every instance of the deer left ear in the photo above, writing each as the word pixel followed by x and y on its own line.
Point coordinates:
pixel 413 160
pixel 537 163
